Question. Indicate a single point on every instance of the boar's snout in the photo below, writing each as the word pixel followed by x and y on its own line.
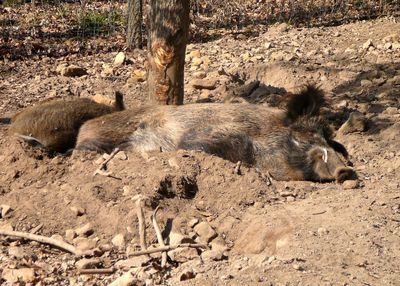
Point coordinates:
pixel 344 173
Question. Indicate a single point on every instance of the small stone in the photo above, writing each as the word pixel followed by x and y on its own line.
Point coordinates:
pixel 387 46
pixel 119 241
pixel 297 267
pixel 127 191
pixel 268 45
pixel 205 232
pixel 119 59
pixel 127 279
pixel 342 104
pixel 137 261
pixel 199 74
pixel 204 84
pixel 271 259
pixel 84 244
pixel 6 226
pixel 70 234
pixel 78 211
pixel 84 230
pixel 350 184
pixel 176 238
pixel 73 71
pixel 367 44
pixel 197 61
pixel 193 222
pixel 121 155
pixel 57 237
pixel 5 211
pixel 183 254
pixel 12 276
pixel 322 231
pixel 218 244
pixel 16 252
pixel 195 54
pixel 107 70
pixel 212 255
pixel 356 122
pixel 186 275
pixel 87 263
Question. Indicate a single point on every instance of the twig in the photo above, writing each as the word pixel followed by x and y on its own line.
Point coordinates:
pixel 237 168
pixel 103 165
pixel 159 237
pixel 142 225
pixel 97 271
pixel 167 248
pixel 43 239
pixel 36 229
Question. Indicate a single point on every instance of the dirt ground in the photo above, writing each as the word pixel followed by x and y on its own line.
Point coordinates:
pixel 279 233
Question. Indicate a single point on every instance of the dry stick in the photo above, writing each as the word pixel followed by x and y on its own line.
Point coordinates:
pixel 42 239
pixel 97 271
pixel 167 248
pixel 159 237
pixel 99 170
pixel 237 168
pixel 142 226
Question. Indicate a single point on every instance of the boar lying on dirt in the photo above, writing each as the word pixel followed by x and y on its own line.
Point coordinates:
pixel 55 124
pixel 291 144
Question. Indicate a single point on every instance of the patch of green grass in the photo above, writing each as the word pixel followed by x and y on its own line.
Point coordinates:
pixel 94 21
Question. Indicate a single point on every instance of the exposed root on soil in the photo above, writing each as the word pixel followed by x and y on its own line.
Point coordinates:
pixel 168 248
pixel 97 271
pixel 159 237
pixel 46 240
pixel 142 225
pixel 101 169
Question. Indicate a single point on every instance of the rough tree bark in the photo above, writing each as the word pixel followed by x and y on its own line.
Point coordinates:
pixel 135 18
pixel 168 32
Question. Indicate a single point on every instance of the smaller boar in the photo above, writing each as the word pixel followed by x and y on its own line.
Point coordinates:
pixel 55 124
pixel 291 144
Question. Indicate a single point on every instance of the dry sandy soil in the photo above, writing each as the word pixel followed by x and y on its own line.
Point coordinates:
pixel 284 233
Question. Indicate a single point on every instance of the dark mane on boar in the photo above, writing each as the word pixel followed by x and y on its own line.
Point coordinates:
pixel 307 102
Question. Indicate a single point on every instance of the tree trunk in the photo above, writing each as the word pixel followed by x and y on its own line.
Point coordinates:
pixel 135 18
pixel 168 32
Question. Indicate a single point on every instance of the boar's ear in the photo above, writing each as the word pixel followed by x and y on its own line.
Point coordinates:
pixel 307 102
pixel 119 101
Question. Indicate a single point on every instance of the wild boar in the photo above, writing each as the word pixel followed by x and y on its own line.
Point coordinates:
pixel 291 144
pixel 55 124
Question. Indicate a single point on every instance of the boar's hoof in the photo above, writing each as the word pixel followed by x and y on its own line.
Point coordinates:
pixel 344 173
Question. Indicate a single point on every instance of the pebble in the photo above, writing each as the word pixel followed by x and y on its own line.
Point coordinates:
pixel 87 263
pixel 356 122
pixel 78 211
pixel 204 84
pixel 212 255
pixel 119 241
pixel 12 276
pixel 119 59
pixel 5 211
pixel 70 234
pixel 72 71
pixel 137 261
pixel 16 252
pixel 322 231
pixel 205 232
pixel 350 184
pixel 183 254
pixel 84 230
pixel 193 222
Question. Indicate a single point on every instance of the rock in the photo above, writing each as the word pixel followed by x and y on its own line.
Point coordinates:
pixel 268 45
pixel 84 230
pixel 57 237
pixel 205 232
pixel 176 238
pixel 218 244
pixel 183 254
pixel 137 261
pixel 119 59
pixel 78 211
pixel 70 234
pixel 119 241
pixel 195 54
pixel 87 263
pixel 204 84
pixel 6 226
pixel 391 110
pixel 127 279
pixel 199 74
pixel 283 27
pixel 356 122
pixel 322 231
pixel 350 184
pixel 16 252
pixel 193 222
pixel 5 211
pixel 138 76
pixel 73 71
pixel 197 61
pixel 84 244
pixel 212 255
pixel 12 276
pixel 387 46
pixel 298 267
pixel 186 275
pixel 367 44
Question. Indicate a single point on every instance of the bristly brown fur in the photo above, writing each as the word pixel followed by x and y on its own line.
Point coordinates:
pixel 307 102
